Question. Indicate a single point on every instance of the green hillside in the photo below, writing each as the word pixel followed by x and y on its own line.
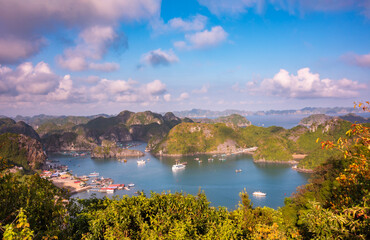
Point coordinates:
pixel 190 138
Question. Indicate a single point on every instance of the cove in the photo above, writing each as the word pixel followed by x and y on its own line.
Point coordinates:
pixel 216 178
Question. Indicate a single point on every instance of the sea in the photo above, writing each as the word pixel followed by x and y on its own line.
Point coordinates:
pixel 218 179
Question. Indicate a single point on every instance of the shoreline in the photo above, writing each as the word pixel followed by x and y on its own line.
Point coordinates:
pixel 290 162
pixel 68 184
pixel 249 152
pixel 304 170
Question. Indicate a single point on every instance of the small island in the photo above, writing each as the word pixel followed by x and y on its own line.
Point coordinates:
pixel 108 149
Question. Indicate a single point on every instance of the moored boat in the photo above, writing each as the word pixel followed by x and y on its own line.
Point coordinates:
pixel 238 170
pixel 140 162
pixel 179 166
pixel 94 174
pixel 260 194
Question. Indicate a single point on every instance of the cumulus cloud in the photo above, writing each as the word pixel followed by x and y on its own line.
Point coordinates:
pixel 203 39
pixel 202 90
pixel 92 44
pixel 359 60
pixel 307 85
pixel 183 96
pixel 24 22
pixel 194 23
pixel 156 87
pixel 159 57
pixel 27 79
pixel 39 85
pixel 167 97
pixel 129 91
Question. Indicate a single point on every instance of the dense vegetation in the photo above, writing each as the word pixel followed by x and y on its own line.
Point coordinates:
pixel 10 151
pixel 21 151
pixel 334 205
pixel 189 138
pixel 274 143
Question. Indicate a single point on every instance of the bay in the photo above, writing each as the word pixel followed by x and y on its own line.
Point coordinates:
pixel 216 178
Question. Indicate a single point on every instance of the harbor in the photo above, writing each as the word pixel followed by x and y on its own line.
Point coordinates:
pixel 221 180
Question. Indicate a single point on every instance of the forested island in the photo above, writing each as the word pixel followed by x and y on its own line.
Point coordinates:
pixel 333 205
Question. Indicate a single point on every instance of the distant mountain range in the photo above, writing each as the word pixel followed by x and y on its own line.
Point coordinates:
pixel 202 113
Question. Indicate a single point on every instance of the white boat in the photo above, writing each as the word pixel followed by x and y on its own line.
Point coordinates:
pixel 140 162
pixel 178 167
pixel 238 170
pixel 131 185
pixel 94 174
pixel 260 194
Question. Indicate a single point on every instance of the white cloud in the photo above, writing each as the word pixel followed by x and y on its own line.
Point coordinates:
pixel 39 85
pixel 203 90
pixel 63 92
pixel 194 23
pixel 183 96
pixel 159 57
pixel 22 21
pixel 204 39
pixel 92 44
pixel 28 79
pixel 167 97
pixel 307 85
pixel 156 87
pixel 129 91
pixel 359 60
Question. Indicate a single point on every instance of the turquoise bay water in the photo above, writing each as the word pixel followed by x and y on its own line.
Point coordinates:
pixel 217 179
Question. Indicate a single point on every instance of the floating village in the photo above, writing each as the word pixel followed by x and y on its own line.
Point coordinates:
pixel 62 177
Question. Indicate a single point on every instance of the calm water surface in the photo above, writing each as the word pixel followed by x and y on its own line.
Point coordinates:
pixel 217 179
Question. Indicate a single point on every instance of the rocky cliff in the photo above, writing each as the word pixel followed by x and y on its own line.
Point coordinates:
pixel 21 150
pixel 315 119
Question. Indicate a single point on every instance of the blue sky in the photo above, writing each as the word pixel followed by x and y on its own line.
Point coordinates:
pixel 87 57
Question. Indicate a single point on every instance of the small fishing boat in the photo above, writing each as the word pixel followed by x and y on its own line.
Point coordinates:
pixel 238 170
pixel 179 166
pixel 259 194
pixel 131 185
pixel 94 174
